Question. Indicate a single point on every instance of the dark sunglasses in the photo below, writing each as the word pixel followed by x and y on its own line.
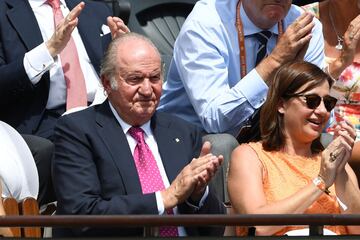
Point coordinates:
pixel 314 100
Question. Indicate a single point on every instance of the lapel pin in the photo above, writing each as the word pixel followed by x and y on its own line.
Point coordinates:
pixel 177 140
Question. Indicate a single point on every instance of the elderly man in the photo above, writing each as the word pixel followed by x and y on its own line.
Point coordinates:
pixel 122 157
pixel 224 58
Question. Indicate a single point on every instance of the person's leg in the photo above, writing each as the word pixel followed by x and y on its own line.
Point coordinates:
pixel 221 144
pixel 42 151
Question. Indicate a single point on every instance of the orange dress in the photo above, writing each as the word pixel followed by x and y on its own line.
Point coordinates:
pixel 284 175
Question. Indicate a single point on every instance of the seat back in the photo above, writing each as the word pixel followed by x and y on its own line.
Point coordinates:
pixel 11 209
pixel 29 206
pixel 161 21
pixel 26 207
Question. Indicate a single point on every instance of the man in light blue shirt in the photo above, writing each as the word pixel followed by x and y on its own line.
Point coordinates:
pixel 204 84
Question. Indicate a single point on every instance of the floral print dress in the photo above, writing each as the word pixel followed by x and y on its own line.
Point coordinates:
pixel 347 90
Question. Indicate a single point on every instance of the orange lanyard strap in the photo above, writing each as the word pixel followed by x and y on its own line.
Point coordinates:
pixel 241 39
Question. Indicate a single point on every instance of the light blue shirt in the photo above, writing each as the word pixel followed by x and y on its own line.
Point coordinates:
pixel 204 85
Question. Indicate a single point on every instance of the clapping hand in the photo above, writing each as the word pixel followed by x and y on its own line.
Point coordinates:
pixel 294 42
pixel 337 154
pixel 292 45
pixel 193 179
pixel 206 175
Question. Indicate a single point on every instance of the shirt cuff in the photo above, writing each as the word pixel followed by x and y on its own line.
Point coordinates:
pixel 37 62
pixel 202 200
pixel 159 203
pixel 253 88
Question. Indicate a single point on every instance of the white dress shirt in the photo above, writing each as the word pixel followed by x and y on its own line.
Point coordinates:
pixel 151 142
pixel 38 60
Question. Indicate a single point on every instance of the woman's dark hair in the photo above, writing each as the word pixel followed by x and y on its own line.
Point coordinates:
pixel 287 81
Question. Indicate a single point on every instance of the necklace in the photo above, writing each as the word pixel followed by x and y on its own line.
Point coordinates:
pixel 339 45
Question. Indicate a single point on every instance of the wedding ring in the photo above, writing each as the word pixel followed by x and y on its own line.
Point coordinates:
pixel 332 157
pixel 351 36
pixel 69 19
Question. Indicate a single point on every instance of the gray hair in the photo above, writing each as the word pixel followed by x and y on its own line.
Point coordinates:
pixel 109 65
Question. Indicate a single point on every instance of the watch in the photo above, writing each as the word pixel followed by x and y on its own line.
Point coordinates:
pixel 320 183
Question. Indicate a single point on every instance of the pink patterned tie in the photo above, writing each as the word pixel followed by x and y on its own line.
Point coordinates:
pixel 149 174
pixel 76 95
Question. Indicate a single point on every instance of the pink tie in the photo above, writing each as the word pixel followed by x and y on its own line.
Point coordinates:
pixel 76 95
pixel 149 174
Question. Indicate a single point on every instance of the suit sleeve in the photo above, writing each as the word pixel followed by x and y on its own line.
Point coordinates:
pixel 76 181
pixel 13 80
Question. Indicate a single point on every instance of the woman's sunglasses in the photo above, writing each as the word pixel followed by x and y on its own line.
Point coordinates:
pixel 314 100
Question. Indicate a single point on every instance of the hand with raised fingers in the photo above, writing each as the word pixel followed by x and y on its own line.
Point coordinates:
pixel 350 41
pixel 63 31
pixel 117 26
pixel 294 42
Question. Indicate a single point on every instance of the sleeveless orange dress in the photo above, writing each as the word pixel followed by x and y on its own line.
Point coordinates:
pixel 284 175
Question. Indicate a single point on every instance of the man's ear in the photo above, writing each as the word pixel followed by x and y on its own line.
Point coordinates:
pixel 280 106
pixel 106 84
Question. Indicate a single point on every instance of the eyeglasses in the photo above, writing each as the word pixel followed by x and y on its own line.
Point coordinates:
pixel 314 100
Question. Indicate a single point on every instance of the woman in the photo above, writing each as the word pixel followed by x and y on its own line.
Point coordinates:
pixel 341 27
pixel 289 171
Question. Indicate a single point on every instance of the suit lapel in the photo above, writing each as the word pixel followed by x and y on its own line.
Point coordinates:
pixel 115 140
pixel 23 19
pixel 167 141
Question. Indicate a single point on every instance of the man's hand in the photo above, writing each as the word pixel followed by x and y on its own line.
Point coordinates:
pixel 294 40
pixel 292 45
pixel 117 27
pixel 193 179
pixel 207 175
pixel 63 31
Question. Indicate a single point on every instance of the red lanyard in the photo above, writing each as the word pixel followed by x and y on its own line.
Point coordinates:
pixel 240 30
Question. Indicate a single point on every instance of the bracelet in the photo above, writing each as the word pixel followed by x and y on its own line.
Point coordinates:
pixel 320 184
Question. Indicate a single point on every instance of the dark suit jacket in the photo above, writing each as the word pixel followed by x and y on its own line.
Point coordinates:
pixel 94 170
pixel 22 104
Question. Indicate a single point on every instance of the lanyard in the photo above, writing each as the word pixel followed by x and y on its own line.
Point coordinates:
pixel 241 38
